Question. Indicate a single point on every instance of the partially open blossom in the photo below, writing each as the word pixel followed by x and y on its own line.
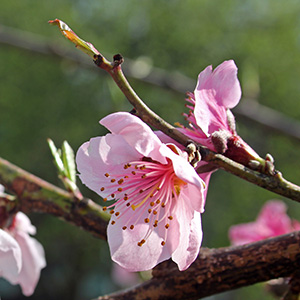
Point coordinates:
pixel 211 122
pixel 271 221
pixel 21 256
pixel 159 196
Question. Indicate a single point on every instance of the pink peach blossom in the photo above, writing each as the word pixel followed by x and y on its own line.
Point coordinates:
pixel 10 256
pixel 159 196
pixel 21 256
pixel 271 221
pixel 211 122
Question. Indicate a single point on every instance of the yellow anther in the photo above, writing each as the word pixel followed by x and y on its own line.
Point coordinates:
pixel 134 207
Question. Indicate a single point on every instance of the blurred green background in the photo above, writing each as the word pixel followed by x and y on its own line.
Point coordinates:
pixel 43 96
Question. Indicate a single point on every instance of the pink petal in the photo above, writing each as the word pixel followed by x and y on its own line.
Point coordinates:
pixel 33 258
pixel 272 221
pixel 296 225
pixel 136 133
pixel 103 155
pixel 190 238
pixel 22 223
pixel 216 92
pixel 187 173
pixel 204 78
pixel 210 116
pixel 246 233
pixel 10 256
pixel 273 215
pixel 122 277
pixel 226 84
pixel 206 178
pixel 182 167
pixel 125 251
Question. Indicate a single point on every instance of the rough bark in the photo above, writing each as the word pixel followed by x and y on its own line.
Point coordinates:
pixel 220 270
pixel 37 195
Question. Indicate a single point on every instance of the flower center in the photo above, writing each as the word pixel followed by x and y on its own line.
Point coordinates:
pixel 145 191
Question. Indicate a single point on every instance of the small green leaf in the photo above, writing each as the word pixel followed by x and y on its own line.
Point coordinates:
pixel 69 161
pixel 56 153
pixel 84 46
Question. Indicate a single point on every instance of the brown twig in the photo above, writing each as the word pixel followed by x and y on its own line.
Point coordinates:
pixel 215 270
pixel 276 184
pixel 293 292
pixel 37 195
pixel 220 270
pixel 248 108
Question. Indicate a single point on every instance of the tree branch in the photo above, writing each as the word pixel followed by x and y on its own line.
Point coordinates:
pixel 276 184
pixel 36 195
pixel 176 82
pixel 220 270
pixel 215 270
pixel 248 108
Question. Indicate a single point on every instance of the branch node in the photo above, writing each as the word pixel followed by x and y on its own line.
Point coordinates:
pixel 133 112
pixel 98 60
pixel 193 153
pixel 118 60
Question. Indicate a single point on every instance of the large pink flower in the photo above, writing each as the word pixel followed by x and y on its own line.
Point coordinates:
pixel 21 256
pixel 271 221
pixel 211 122
pixel 159 196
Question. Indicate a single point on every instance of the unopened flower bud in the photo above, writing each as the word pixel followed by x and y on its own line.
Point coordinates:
pixel 220 139
pixel 270 158
pixel 241 152
pixel 254 164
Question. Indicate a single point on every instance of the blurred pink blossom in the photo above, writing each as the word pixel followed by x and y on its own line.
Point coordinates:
pixel 159 196
pixel 211 122
pixel 21 256
pixel 271 221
